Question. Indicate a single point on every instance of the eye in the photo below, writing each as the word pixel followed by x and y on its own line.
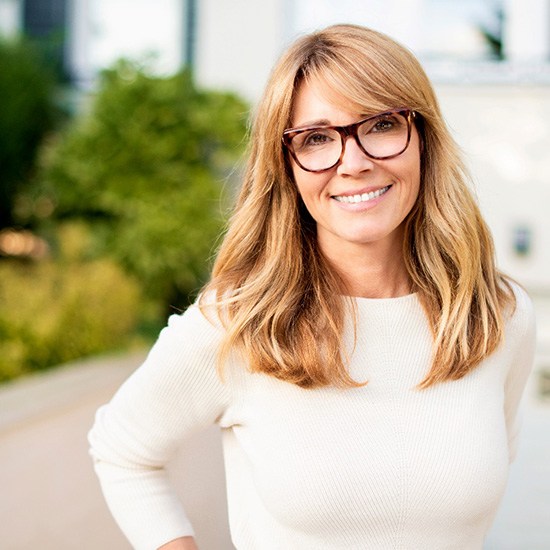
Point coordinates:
pixel 313 139
pixel 317 138
pixel 387 124
pixel 384 124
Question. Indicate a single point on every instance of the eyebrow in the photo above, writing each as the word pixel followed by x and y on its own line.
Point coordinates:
pixel 325 122
pixel 320 122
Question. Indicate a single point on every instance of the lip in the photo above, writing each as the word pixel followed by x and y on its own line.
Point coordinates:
pixel 370 189
pixel 362 206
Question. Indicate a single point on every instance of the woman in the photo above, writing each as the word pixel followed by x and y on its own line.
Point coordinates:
pixel 356 344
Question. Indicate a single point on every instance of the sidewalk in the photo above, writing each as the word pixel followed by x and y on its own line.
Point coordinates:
pixel 51 498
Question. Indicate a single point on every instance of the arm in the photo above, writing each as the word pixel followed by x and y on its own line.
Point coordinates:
pixel 174 393
pixel 183 543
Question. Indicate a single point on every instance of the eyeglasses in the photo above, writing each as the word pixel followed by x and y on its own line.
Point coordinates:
pixel 320 148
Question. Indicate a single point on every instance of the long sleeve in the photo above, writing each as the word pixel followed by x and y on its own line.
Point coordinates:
pixel 174 393
pixel 522 331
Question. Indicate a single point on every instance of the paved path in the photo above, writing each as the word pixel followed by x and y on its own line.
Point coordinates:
pixel 51 499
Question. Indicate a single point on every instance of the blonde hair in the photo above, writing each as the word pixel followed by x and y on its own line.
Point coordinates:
pixel 278 299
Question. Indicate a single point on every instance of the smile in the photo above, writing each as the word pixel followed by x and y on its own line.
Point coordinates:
pixel 365 197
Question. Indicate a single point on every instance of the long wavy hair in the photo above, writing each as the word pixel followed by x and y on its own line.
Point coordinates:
pixel 280 302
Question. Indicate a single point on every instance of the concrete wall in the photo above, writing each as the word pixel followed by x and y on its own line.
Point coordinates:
pixel 238 42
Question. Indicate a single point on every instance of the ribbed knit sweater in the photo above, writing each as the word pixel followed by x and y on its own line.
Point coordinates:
pixel 384 466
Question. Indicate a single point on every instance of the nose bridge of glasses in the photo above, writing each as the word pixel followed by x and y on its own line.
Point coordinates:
pixel 351 131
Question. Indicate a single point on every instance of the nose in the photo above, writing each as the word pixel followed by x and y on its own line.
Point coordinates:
pixel 354 161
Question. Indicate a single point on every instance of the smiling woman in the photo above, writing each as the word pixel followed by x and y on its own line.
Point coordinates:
pixel 356 343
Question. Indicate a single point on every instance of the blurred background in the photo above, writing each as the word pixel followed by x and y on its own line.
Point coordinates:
pixel 122 126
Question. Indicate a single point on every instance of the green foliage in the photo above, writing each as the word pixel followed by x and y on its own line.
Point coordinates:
pixel 26 114
pixel 53 312
pixel 145 168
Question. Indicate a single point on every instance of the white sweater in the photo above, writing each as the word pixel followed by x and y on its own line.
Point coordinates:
pixel 385 466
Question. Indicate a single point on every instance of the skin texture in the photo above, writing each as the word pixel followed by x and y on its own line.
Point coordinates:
pixel 183 543
pixel 362 241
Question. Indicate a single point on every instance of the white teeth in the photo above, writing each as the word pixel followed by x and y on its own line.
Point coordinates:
pixel 361 198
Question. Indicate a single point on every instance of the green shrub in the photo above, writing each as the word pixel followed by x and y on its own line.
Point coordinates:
pixel 145 168
pixel 56 311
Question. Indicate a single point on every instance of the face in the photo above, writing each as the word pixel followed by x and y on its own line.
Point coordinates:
pixel 361 203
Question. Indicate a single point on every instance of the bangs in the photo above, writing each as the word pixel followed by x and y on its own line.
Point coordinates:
pixel 348 95
pixel 364 77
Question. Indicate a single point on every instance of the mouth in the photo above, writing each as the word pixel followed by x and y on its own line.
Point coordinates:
pixel 363 197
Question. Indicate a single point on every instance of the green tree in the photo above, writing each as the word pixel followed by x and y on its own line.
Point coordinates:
pixel 145 167
pixel 27 113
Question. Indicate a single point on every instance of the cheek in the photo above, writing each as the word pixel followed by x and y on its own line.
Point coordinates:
pixel 412 172
pixel 298 183
pixel 414 189
pixel 307 184
pixel 303 180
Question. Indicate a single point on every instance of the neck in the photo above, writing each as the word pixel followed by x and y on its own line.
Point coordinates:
pixel 373 270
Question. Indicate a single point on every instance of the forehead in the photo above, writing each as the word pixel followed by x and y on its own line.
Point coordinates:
pixel 316 104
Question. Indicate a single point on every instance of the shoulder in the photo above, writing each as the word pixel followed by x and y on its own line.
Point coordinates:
pixel 197 327
pixel 521 318
pixel 203 315
pixel 520 336
pixel 183 360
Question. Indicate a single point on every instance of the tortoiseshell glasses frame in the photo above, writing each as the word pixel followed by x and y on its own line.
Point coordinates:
pixel 319 143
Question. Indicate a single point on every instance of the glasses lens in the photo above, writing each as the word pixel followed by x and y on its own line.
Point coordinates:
pixel 317 149
pixel 385 135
